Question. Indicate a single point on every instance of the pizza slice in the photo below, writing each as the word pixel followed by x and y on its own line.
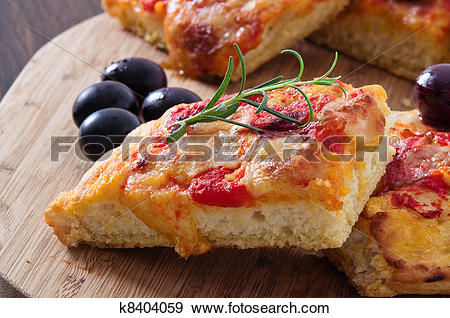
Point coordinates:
pixel 400 244
pixel 404 37
pixel 199 35
pixel 237 187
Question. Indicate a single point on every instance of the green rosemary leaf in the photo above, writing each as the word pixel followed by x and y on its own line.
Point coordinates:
pixel 331 68
pixel 333 79
pixel 243 67
pixel 278 114
pixel 263 103
pixel 235 123
pixel 270 82
pixel 300 61
pixel 250 102
pixel 326 83
pixel 220 110
pixel 223 86
pixel 311 110
pixel 340 87
pixel 226 111
pixel 229 106
pixel 177 134
pixel 201 119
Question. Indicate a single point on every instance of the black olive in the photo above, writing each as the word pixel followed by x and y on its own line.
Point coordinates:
pixel 142 76
pixel 102 95
pixel 159 101
pixel 104 130
pixel 432 95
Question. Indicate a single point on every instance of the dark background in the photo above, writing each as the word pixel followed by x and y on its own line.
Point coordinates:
pixel 18 43
pixel 50 17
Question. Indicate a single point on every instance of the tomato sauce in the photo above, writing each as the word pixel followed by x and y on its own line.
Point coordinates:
pixel 436 183
pixel 154 5
pixel 431 214
pixel 442 138
pixel 320 130
pixel 398 173
pixel 187 111
pixel 190 110
pixel 211 188
pixel 400 200
pixel 298 110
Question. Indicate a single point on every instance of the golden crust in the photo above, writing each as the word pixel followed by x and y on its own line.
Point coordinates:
pixel 407 120
pixel 318 201
pixel 404 36
pixel 133 17
pixel 199 35
pixel 400 244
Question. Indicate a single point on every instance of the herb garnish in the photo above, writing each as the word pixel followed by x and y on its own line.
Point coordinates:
pixel 226 108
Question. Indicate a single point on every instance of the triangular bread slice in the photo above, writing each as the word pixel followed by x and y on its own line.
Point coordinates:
pixel 286 187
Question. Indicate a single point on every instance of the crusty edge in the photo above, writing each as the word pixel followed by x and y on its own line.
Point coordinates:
pixel 402 51
pixel 366 267
pixel 361 260
pixel 147 25
pixel 282 35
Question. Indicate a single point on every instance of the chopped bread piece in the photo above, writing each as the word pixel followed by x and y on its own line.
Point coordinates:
pixel 404 37
pixel 400 244
pixel 285 187
pixel 199 35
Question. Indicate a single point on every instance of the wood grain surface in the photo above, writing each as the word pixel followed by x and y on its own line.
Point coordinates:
pixel 38 106
pixel 18 44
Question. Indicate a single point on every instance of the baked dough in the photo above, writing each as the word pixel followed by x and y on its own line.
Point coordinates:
pixel 404 37
pixel 254 200
pixel 199 35
pixel 401 242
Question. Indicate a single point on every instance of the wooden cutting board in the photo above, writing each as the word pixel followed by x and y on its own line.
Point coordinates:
pixel 38 106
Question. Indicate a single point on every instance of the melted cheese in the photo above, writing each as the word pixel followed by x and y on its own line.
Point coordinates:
pixel 158 191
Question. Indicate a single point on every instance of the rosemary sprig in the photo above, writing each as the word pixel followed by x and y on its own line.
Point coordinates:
pixel 223 110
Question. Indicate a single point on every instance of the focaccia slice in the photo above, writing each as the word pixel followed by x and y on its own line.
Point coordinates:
pixel 400 244
pixel 285 187
pixel 404 37
pixel 199 35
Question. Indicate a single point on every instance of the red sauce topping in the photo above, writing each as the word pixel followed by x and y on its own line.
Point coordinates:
pixel 297 110
pixel 415 162
pixel 249 34
pixel 442 138
pixel 200 47
pixel 399 200
pixel 319 130
pixel 211 188
pixel 330 132
pixel 190 110
pixel 149 5
pixel 431 214
pixel 187 111
pixel 436 183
